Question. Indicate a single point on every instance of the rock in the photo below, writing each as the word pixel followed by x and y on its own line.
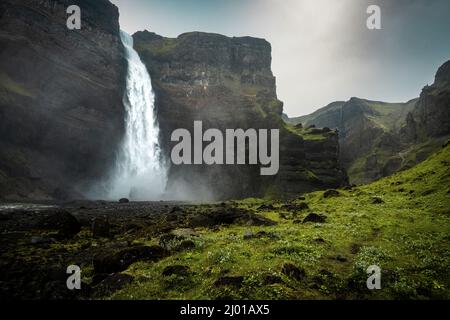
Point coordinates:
pixel 177 270
pixel 100 227
pixel 124 200
pixel 116 261
pixel 185 245
pixel 231 215
pixel 295 207
pixel 61 221
pixel 267 207
pixel 260 234
pixel 377 200
pixel 41 240
pixel 331 193
pixel 232 281
pixel 314 217
pixel 59 132
pixel 340 258
pixel 293 272
pixel 112 284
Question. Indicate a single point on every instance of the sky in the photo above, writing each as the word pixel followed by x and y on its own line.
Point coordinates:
pixel 322 50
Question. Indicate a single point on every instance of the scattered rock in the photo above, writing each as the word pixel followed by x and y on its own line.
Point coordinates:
pixel 377 200
pixel 112 284
pixel 314 217
pixel 110 262
pixel 226 216
pixel 266 207
pixel 177 270
pixel 100 227
pixel 124 200
pixel 233 281
pixel 293 271
pixel 61 221
pixel 331 193
pixel 295 207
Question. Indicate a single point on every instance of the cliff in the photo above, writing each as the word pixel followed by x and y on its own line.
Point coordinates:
pixel 61 113
pixel 228 83
pixel 379 138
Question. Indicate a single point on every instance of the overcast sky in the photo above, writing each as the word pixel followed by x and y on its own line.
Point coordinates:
pixel 321 49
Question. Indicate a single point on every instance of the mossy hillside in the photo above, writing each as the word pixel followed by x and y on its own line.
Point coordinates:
pixel 400 223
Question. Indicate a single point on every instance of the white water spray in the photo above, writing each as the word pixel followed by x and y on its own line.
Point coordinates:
pixel 139 173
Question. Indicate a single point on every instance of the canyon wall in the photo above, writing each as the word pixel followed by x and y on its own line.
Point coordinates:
pixel 227 83
pixel 61 112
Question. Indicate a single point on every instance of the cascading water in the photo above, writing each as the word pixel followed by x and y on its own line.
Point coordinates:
pixel 139 173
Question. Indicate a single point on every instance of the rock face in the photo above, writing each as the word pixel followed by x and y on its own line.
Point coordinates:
pixel 378 138
pixel 227 83
pixel 61 112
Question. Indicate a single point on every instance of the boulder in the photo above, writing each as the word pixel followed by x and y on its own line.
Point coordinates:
pixel 113 283
pixel 61 221
pixel 176 270
pixel 314 217
pixel 293 271
pixel 116 261
pixel 331 193
pixel 124 200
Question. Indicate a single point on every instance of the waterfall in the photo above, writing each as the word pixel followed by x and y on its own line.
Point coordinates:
pixel 139 173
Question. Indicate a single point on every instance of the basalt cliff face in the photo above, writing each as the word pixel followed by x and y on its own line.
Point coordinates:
pixel 227 83
pixel 379 138
pixel 61 112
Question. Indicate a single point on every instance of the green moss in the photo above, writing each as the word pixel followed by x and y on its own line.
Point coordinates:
pixel 406 235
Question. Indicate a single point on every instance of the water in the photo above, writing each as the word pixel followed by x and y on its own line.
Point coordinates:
pixel 139 172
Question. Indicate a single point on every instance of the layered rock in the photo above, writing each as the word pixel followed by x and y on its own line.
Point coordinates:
pixel 61 112
pixel 379 138
pixel 227 83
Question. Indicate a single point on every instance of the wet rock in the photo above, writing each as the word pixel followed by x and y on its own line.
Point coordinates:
pixel 112 284
pixel 331 193
pixel 176 270
pixel 61 221
pixel 124 200
pixel 314 217
pixel 232 281
pixel 293 271
pixel 100 227
pixel 119 260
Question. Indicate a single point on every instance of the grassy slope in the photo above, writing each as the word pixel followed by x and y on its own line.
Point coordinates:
pixel 407 236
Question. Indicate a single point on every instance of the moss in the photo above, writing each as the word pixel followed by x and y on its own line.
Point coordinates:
pixel 407 236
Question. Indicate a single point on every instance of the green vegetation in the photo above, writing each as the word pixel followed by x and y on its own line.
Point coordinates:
pixel 400 223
